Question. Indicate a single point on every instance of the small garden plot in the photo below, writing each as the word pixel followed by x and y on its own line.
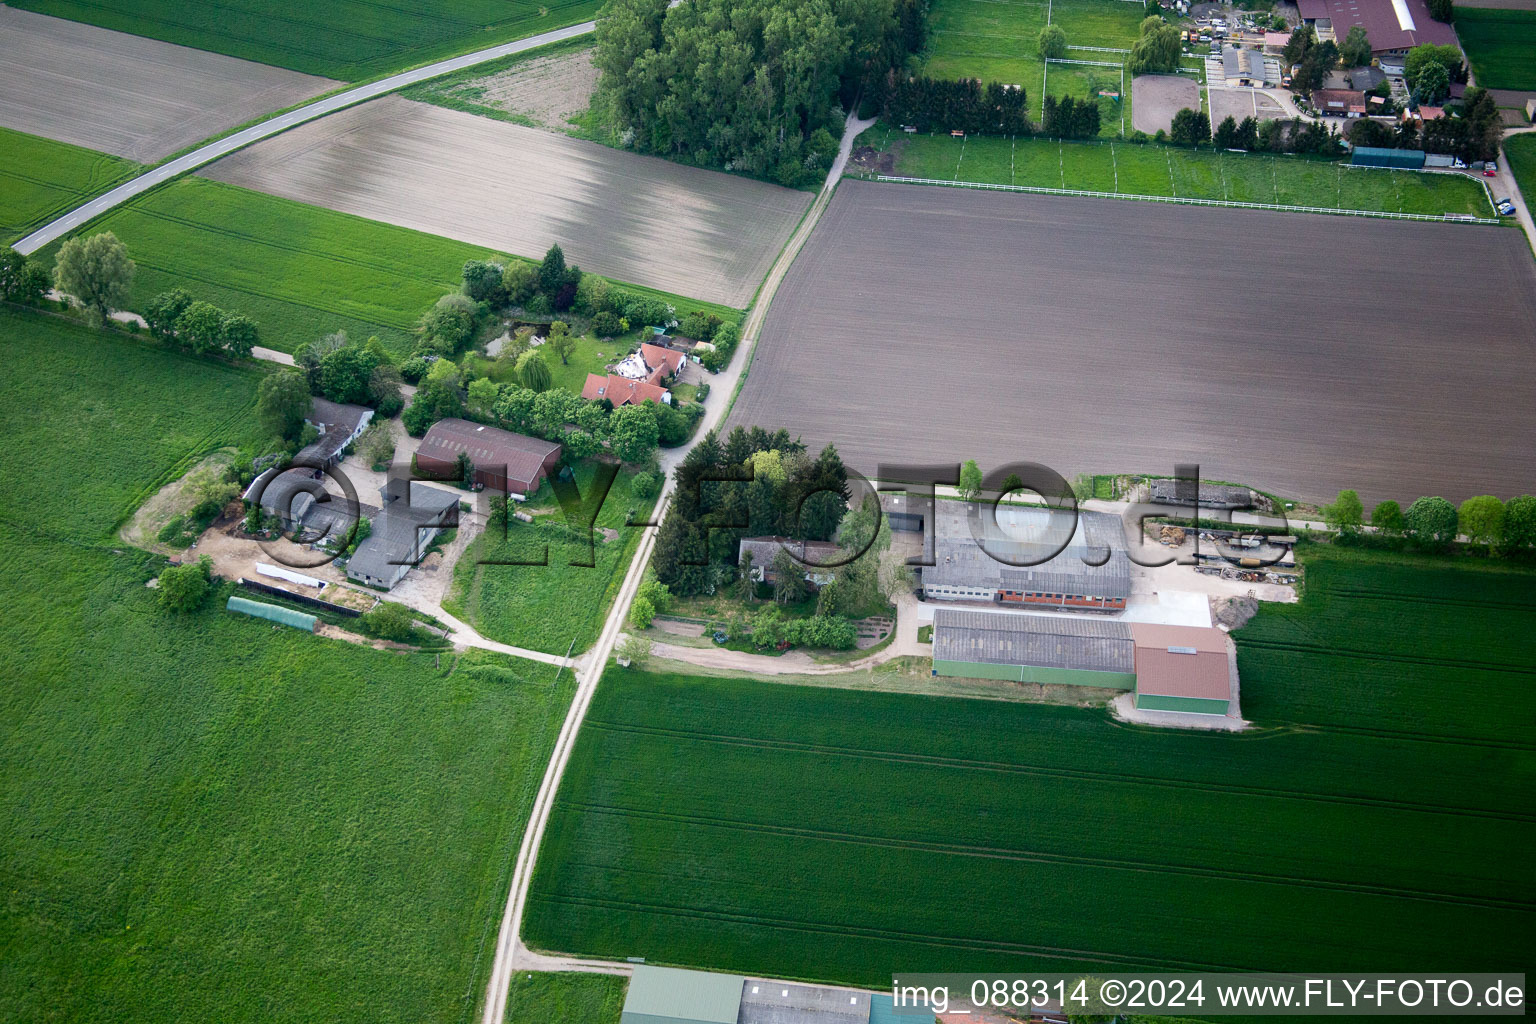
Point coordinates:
pixel 1090 167
pixel 987 159
pixel 1141 170
pixel 1037 162
pixel 1079 81
pixel 1197 175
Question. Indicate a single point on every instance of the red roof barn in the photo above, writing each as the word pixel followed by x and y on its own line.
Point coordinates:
pixel 504 461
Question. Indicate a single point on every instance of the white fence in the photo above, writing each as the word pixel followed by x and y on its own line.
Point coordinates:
pixel 1454 218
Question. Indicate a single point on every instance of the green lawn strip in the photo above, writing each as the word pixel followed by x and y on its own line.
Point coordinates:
pixel 97 421
pixel 546 607
pixel 1088 166
pixel 299 271
pixel 1499 44
pixel 41 179
pixel 987 159
pixel 565 998
pixel 1196 174
pixel 348 42
pixel 810 807
pixel 1248 177
pixel 1142 170
pixel 1521 151
pixel 1037 162
pixel 209 817
pixel 927 156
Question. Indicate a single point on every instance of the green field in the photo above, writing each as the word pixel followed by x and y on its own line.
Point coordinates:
pixel 546 607
pixel 299 271
pixel 1150 170
pixel 41 179
pixel 1500 45
pixel 838 835
pixel 206 817
pixel 350 41
pixel 94 423
pixel 541 998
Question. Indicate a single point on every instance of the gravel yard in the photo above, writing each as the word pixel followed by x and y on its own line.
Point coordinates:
pixel 122 94
pixel 684 230
pixel 1156 98
pixel 924 325
pixel 1241 103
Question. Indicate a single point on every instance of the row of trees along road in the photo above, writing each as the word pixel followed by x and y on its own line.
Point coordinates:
pixel 1432 523
pixel 747 85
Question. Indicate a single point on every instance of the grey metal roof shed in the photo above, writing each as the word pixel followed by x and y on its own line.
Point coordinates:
pixel 668 995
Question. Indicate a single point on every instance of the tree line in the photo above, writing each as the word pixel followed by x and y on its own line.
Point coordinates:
pixel 1491 526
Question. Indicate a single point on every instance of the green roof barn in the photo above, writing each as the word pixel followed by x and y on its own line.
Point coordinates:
pixel 666 995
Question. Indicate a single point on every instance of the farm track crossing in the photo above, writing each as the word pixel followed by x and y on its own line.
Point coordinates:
pixel 1096 335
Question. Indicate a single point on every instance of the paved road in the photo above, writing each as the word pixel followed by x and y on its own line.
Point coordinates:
pixel 511 954
pixel 223 147
pixel 1508 187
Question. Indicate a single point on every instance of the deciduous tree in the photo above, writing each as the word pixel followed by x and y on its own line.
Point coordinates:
pixel 97 272
pixel 184 588
pixel 1053 41
pixel 1432 521
pixel 282 402
pixel 1481 518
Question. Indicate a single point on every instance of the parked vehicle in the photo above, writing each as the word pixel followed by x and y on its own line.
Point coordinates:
pixel 1491 169
pixel 1505 208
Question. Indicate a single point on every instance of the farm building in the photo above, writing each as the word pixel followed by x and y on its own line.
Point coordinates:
pixel 298 501
pixel 810 554
pixel 621 391
pixel 785 1002
pixel 1175 491
pixel 1375 156
pixel 503 461
pixel 1054 649
pixel 1243 67
pixel 1393 26
pixel 1339 102
pixel 1183 668
pixel 339 425
pixel 667 995
pixel 411 518
pixel 1016 566
pixel 1171 668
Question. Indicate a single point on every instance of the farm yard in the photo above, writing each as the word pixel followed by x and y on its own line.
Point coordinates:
pixel 124 94
pixel 1499 45
pixel 763 828
pixel 1172 172
pixel 559 606
pixel 240 823
pixel 1160 334
pixel 41 179
pixel 517 189
pixel 350 42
